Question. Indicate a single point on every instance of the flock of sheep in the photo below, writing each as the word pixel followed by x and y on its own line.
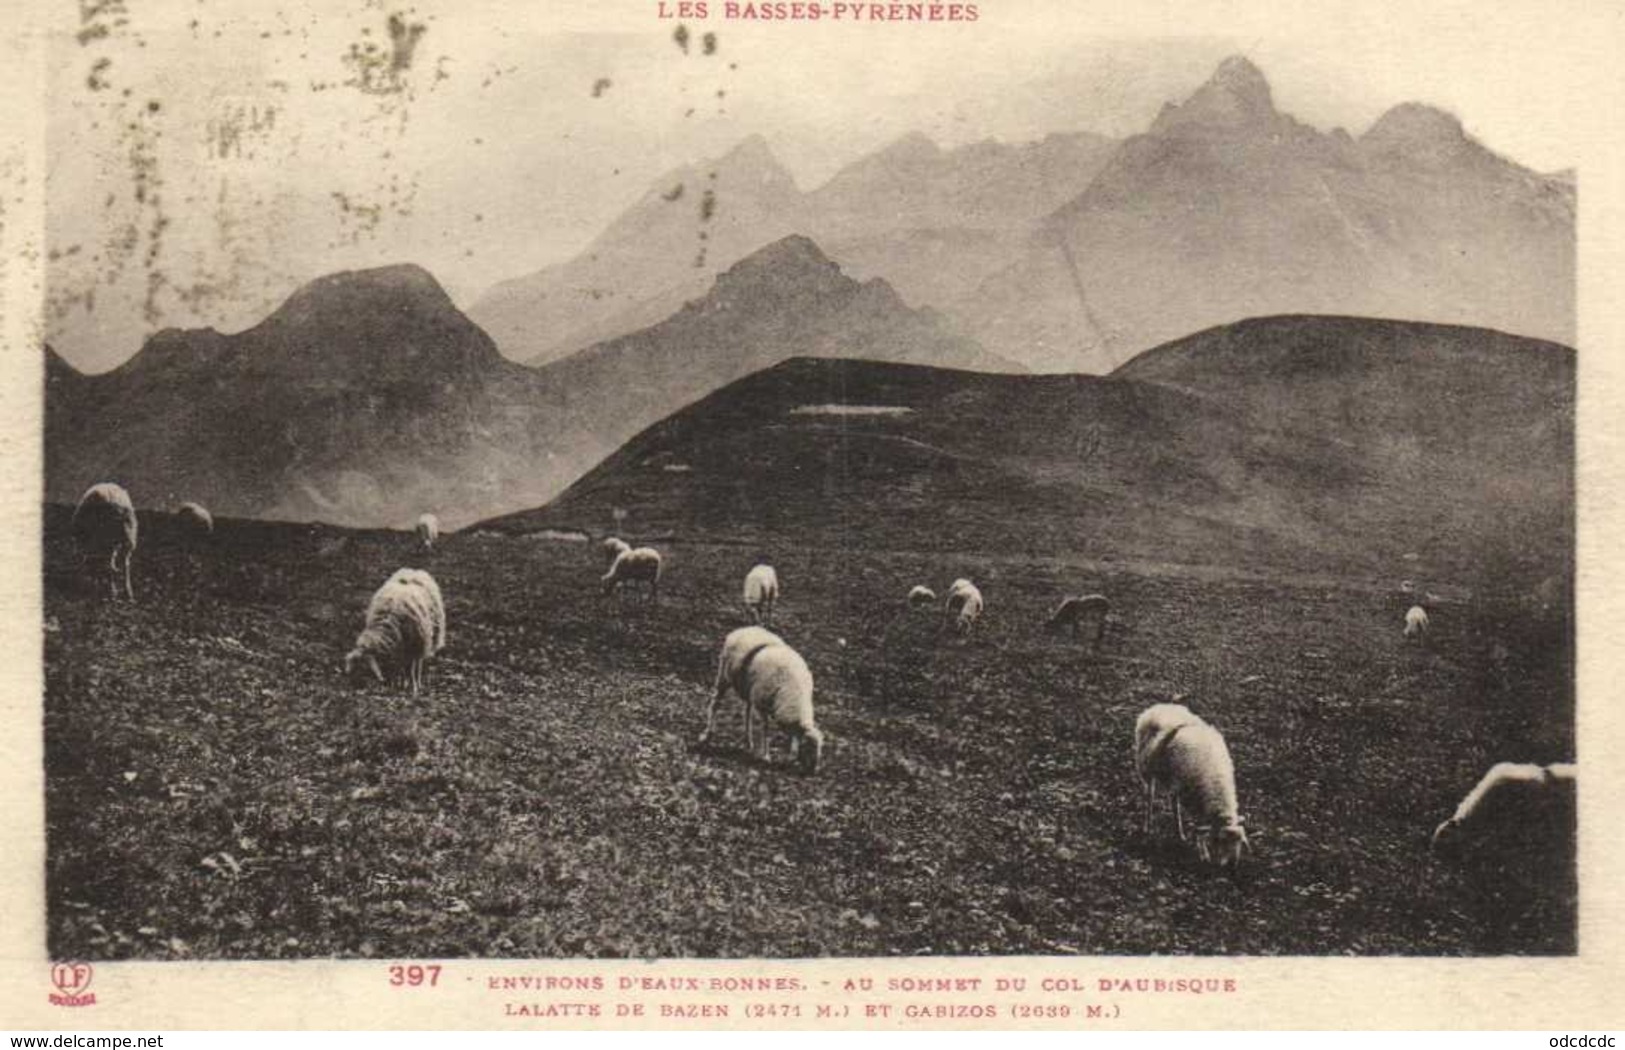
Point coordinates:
pixel 1176 753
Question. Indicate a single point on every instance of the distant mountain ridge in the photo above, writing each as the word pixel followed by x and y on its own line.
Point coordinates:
pixel 912 213
pixel 1316 444
pixel 785 300
pixel 365 398
pixel 1076 252
pixel 1228 209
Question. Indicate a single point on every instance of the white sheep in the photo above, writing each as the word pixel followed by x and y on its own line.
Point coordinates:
pixel 1509 793
pixel 920 594
pixel 406 624
pixel 1204 782
pixel 1074 611
pixel 195 518
pixel 613 547
pixel 775 685
pixel 636 563
pixel 104 524
pixel 1152 731
pixel 1416 623
pixel 761 592
pixel 963 606
pixel 428 530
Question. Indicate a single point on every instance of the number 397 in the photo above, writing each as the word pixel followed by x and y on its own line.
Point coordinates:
pixel 414 976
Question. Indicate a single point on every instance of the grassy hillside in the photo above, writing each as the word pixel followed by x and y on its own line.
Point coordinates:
pixel 1307 444
pixel 216 790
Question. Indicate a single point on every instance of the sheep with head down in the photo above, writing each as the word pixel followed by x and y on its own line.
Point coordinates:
pixel 104 525
pixel 1078 610
pixel 195 519
pixel 921 595
pixel 428 530
pixel 612 547
pixel 1175 748
pixel 1204 779
pixel 1512 801
pixel 776 688
pixel 1416 623
pixel 636 564
pixel 761 592
pixel 963 606
pixel 406 624
pixel 1152 731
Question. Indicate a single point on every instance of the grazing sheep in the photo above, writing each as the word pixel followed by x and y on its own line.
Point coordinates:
pixel 1152 731
pixel 428 529
pixel 1072 612
pixel 104 523
pixel 920 594
pixel 1204 782
pixel 195 519
pixel 963 606
pixel 613 547
pixel 775 685
pixel 1416 623
pixel 761 592
pixel 637 563
pixel 406 624
pixel 1509 795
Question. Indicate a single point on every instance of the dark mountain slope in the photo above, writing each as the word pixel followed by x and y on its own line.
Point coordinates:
pixel 1217 450
pixel 364 399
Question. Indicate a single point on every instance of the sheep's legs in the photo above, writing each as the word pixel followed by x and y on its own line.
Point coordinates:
pixel 1179 819
pixel 717 693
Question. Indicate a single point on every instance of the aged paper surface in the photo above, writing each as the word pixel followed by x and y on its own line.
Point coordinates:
pixel 1534 81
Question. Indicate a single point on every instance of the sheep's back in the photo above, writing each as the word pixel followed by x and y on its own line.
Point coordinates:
pixel 639 563
pixel 105 516
pixel 1199 763
pixel 760 583
pixel 739 643
pixel 416 611
pixel 781 686
pixel 436 603
pixel 1150 728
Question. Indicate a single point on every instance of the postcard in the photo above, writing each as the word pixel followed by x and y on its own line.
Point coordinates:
pixel 798 514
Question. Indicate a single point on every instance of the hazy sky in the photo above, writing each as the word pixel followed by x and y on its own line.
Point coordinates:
pixel 205 159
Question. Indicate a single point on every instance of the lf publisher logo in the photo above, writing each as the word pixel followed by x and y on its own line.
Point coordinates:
pixel 72 980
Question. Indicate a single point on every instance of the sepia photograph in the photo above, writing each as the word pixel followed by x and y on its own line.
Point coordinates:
pixel 725 481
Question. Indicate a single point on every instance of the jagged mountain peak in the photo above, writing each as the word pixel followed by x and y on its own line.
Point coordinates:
pixel 1235 96
pixel 790 263
pixel 752 160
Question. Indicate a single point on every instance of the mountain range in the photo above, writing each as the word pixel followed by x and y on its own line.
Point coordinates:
pixel 932 222
pixel 367 397
pixel 1060 255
